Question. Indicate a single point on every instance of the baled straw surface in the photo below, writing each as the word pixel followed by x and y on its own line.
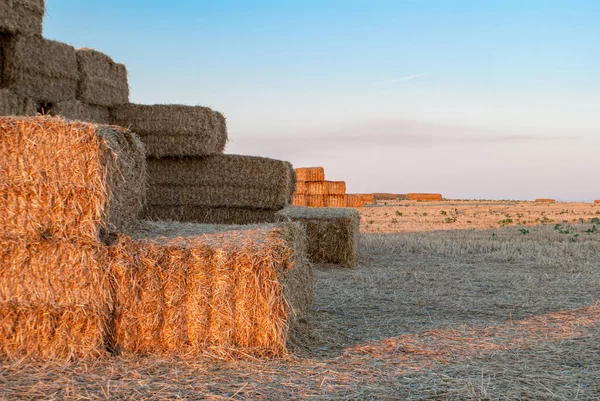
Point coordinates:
pixel 16 105
pixel 332 234
pixel 316 188
pixel 102 82
pixel 424 197
pixel 23 17
pixel 67 179
pixel 597 201
pixel 299 200
pixel 545 200
pixel 184 288
pixel 79 111
pixel 336 187
pixel 384 196
pixel 55 299
pixel 368 198
pixel 300 188
pixel 210 215
pixel 354 200
pixel 310 174
pixel 335 201
pixel 174 130
pixel 42 69
pixel 315 200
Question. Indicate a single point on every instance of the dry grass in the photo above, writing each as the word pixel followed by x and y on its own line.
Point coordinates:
pixel 368 199
pixel 335 201
pixel 102 82
pixel 424 197
pixel 79 111
pixel 16 105
pixel 310 174
pixel 23 17
pixel 336 187
pixel 299 200
pixel 315 187
pixel 210 215
pixel 354 200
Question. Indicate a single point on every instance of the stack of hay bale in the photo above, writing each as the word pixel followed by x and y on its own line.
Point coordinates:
pixel 424 197
pixel 313 190
pixel 597 201
pixel 368 199
pixel 545 200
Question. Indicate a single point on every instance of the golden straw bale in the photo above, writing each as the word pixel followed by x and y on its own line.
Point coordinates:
pixel 24 17
pixel 310 174
pixel 299 200
pixel 335 201
pixel 68 179
pixel 102 82
pixel 316 188
pixel 368 198
pixel 424 197
pixel 384 196
pixel 42 69
pixel 79 111
pixel 16 105
pixel 354 200
pixel 184 288
pixel 597 201
pixel 545 200
pixel 174 130
pixel 333 234
pixel 210 215
pixel 335 187
pixel 315 200
pixel 401 197
pixel 300 188
pixel 55 299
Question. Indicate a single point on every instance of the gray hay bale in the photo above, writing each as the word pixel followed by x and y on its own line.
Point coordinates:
pixel 332 234
pixel 79 111
pixel 102 82
pixel 42 69
pixel 23 17
pixel 16 105
pixel 210 215
pixel 174 130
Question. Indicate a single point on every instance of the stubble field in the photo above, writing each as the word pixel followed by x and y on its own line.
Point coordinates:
pixel 451 300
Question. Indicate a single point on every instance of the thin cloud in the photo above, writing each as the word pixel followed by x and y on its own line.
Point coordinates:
pixel 402 79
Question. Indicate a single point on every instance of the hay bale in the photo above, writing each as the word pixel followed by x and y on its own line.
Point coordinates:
pixel 316 188
pixel 335 201
pixel 299 200
pixel 184 288
pixel 384 196
pixel 597 201
pixel 310 174
pixel 315 200
pixel 55 300
pixel 67 179
pixel 401 197
pixel 210 215
pixel 368 199
pixel 424 197
pixel 545 200
pixel 174 130
pixel 300 188
pixel 78 111
pixel 333 234
pixel 102 82
pixel 42 69
pixel 335 187
pixel 16 105
pixel 24 17
pixel 354 200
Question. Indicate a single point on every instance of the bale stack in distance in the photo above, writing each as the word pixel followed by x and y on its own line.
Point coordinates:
pixel 354 200
pixel 310 174
pixel 597 201
pixel 184 288
pixel 336 201
pixel 384 196
pixel 332 234
pixel 218 189
pixel 62 184
pixel 313 190
pixel 545 200
pixel 368 199
pixel 424 197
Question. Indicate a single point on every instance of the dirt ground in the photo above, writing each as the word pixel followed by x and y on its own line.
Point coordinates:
pixel 491 300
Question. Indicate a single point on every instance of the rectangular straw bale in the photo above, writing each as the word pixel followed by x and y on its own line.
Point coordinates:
pixel 24 17
pixel 79 111
pixel 545 200
pixel 310 174
pixel 16 105
pixel 55 299
pixel 424 197
pixel 335 187
pixel 299 200
pixel 42 69
pixel 67 179
pixel 184 288
pixel 174 130
pixel 384 196
pixel 335 201
pixel 354 200
pixel 210 215
pixel 332 234
pixel 316 188
pixel 597 201
pixel 368 199
pixel 102 82
pixel 300 188
pixel 315 200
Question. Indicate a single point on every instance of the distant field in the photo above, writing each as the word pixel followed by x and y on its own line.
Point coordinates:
pixel 489 300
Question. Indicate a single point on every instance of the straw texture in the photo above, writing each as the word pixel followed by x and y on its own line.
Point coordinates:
pixel 310 174
pixel 299 200
pixel 102 82
pixel 16 105
pixel 315 200
pixel 385 196
pixel 354 200
pixel 42 69
pixel 300 188
pixel 24 17
pixel 332 234
pixel 368 198
pixel 424 197
pixel 174 130
pixel 210 215
pixel 335 187
pixel 67 179
pixel 78 111
pixel 335 201
pixel 316 188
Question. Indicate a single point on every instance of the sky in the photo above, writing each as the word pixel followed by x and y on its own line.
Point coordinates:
pixel 471 99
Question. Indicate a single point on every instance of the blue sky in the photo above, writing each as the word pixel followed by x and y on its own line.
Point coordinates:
pixel 474 99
